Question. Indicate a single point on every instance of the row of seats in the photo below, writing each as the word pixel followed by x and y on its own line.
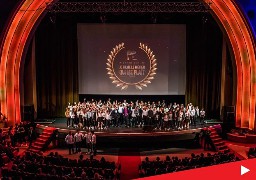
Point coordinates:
pixel 252 153
pixel 36 166
pixel 174 164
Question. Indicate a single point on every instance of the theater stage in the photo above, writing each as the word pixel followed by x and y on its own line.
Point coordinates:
pixel 123 137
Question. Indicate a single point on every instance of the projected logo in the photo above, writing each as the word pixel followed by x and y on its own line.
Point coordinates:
pixel 135 66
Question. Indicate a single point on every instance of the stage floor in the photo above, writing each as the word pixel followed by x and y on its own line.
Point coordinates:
pixel 122 137
pixel 60 124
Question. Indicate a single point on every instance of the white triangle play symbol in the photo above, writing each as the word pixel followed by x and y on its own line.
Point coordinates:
pixel 244 170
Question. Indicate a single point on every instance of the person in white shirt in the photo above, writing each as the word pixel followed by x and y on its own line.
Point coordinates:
pixel 73 117
pixel 108 119
pixel 187 119
pixel 174 105
pixel 166 119
pixel 88 118
pixel 133 115
pixel 88 138
pixel 80 117
pixel 78 141
pixel 70 142
pixel 180 119
pixel 70 107
pixel 67 114
pixel 166 110
pixel 192 116
pixel 189 106
pixel 120 112
pixel 144 115
pixel 100 119
pixel 197 113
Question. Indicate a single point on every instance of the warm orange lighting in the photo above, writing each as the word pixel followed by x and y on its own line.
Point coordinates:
pixel 242 44
pixel 14 43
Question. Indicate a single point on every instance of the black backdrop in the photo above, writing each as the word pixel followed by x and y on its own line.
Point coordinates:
pixel 204 53
pixel 57 64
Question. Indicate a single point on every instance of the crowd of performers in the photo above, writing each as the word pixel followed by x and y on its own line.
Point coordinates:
pixel 162 116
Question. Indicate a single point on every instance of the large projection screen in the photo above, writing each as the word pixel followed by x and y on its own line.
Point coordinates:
pixel 132 59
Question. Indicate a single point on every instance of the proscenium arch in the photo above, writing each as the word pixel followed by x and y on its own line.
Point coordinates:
pixel 242 43
pixel 13 45
pixel 227 13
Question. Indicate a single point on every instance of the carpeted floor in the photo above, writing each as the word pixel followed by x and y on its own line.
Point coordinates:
pixel 129 158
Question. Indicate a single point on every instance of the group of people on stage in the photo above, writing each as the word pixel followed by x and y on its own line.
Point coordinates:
pixel 101 115
pixel 75 142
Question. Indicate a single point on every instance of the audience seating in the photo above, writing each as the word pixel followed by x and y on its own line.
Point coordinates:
pixel 252 153
pixel 174 164
pixel 36 166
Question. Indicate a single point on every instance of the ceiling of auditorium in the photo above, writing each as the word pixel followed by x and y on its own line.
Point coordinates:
pixel 124 17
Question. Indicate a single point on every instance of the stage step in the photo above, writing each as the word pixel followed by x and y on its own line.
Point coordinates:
pixel 43 140
pixel 222 147
pixel 219 143
pixel 44 136
pixel 215 136
pixel 217 140
pixel 32 150
pixel 38 143
pixel 39 139
pixel 226 150
pixel 47 133
pixel 36 147
pixel 213 132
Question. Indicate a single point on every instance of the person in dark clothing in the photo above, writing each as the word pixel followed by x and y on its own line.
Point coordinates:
pixel 31 135
pixel 207 140
pixel 11 134
pixel 150 116
pixel 197 139
pixel 1 136
pixel 93 143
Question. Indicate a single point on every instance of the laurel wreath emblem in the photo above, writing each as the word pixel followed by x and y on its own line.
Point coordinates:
pixel 122 84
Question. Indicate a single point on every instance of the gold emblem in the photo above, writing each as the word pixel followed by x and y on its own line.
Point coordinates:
pixel 136 69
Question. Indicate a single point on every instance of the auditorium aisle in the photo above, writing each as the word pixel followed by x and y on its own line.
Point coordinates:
pixel 129 158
